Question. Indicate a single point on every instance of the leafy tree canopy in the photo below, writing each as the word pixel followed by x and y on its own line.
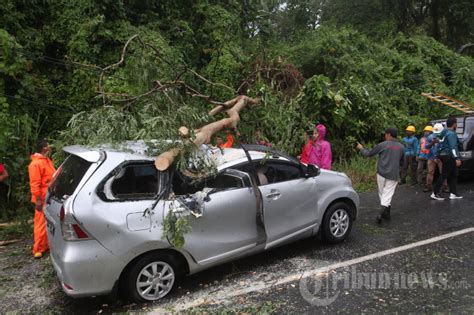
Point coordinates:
pixel 357 66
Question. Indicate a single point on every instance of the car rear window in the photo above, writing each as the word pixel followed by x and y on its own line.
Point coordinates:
pixel 68 176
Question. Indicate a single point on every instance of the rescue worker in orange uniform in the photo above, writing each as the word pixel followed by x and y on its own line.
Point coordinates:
pixel 228 144
pixel 41 170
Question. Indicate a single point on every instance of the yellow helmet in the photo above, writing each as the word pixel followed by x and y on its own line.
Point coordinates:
pixel 411 128
pixel 428 128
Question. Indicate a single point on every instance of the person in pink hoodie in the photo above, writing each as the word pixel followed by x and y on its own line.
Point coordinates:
pixel 320 154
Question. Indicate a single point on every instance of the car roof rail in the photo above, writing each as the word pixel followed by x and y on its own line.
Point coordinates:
pixel 265 149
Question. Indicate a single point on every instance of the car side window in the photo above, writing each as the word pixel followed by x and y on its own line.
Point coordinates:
pixel 220 182
pixel 276 172
pixel 270 172
pixel 132 181
pixel 224 181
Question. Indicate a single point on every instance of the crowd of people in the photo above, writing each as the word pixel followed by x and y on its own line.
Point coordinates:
pixel 411 157
pixel 437 148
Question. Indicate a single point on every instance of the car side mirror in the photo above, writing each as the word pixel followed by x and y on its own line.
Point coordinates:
pixel 311 171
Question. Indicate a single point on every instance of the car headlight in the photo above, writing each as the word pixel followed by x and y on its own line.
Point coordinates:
pixel 466 154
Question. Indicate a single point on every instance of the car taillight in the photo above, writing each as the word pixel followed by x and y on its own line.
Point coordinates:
pixel 71 230
pixel 79 232
pixel 61 214
pixel 67 286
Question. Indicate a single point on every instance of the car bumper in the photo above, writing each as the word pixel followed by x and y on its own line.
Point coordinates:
pixel 86 268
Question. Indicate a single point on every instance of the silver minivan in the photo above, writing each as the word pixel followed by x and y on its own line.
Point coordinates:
pixel 106 207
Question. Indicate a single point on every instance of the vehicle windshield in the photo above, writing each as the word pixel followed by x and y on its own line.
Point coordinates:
pixel 68 176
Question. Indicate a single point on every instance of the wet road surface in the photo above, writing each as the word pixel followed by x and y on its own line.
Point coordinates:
pixel 415 217
pixel 433 277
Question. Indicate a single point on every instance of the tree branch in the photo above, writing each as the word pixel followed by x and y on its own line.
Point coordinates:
pixel 122 59
pixel 204 134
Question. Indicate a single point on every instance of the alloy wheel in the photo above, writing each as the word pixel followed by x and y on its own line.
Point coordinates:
pixel 339 223
pixel 155 280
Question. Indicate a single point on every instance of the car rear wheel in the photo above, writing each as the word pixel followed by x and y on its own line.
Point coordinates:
pixel 337 222
pixel 152 277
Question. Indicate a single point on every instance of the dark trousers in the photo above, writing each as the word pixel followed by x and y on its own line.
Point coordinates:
pixel 422 163
pixel 449 172
pixel 409 163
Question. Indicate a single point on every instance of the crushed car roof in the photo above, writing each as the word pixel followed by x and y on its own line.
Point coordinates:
pixel 141 149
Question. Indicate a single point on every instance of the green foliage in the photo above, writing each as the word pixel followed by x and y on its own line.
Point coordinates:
pixel 18 229
pixel 450 22
pixel 175 227
pixel 358 87
pixel 342 63
pixel 360 170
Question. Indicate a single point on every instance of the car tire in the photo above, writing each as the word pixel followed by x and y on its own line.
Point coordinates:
pixel 151 277
pixel 337 223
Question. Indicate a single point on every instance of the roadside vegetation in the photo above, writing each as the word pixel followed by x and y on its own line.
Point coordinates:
pixel 361 171
pixel 355 68
pixel 19 228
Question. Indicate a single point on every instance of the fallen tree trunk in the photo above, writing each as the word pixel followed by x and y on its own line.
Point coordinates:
pixel 4 243
pixel 204 134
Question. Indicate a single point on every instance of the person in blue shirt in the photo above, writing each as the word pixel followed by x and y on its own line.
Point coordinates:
pixel 422 157
pixel 412 147
pixel 431 144
pixel 448 153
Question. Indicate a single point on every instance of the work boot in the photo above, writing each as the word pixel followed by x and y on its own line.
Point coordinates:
pixel 386 213
pixel 379 217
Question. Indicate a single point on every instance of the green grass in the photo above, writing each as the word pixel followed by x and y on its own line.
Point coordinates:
pixel 362 172
pixel 18 229
pixel 48 275
pixel 372 230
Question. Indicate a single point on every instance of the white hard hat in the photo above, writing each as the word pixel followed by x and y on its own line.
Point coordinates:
pixel 437 128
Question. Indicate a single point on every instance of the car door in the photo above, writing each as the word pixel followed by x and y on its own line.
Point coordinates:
pixel 227 224
pixel 289 200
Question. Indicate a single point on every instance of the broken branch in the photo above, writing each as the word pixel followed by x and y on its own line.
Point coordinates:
pixel 204 134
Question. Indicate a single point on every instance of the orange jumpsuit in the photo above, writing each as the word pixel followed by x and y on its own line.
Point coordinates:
pixel 41 170
pixel 229 143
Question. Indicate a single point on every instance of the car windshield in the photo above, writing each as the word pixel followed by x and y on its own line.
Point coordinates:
pixel 68 176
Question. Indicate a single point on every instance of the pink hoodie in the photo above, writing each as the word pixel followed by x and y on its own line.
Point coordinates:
pixel 321 154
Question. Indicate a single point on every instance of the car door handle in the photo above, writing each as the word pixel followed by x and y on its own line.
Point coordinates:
pixel 273 194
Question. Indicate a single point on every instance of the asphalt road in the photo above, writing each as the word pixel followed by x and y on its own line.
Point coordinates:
pixel 429 278
pixel 433 277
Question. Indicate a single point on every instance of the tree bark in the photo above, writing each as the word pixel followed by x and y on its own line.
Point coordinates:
pixel 435 17
pixel 204 134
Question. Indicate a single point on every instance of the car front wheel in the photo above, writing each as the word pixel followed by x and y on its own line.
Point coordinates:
pixel 151 278
pixel 337 222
